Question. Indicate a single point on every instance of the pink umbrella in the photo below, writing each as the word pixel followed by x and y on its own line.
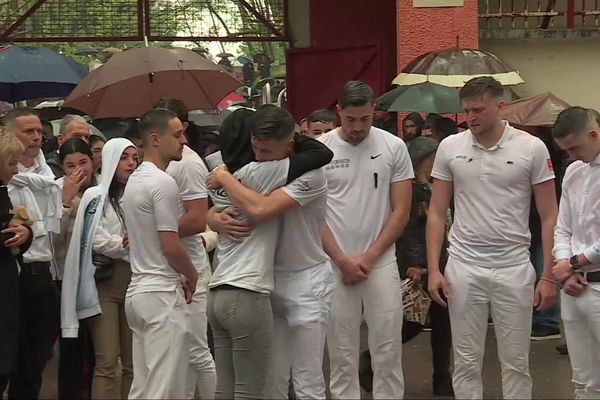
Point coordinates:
pixel 231 99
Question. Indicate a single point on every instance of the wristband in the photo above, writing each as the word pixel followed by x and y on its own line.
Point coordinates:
pixel 553 281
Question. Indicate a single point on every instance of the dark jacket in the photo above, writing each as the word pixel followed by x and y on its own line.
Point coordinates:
pixel 9 292
pixel 53 162
pixel 411 248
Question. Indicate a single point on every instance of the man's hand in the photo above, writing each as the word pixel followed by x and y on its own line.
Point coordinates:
pixel 189 286
pixel 213 181
pixel 575 285
pixel 415 274
pixel 562 270
pixel 437 282
pixel 230 226
pixel 367 261
pixel 353 271
pixel 21 236
pixel 545 295
pixel 72 185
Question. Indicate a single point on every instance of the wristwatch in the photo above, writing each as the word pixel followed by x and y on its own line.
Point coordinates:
pixel 574 263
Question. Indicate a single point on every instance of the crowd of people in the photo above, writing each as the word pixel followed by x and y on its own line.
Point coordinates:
pixel 164 271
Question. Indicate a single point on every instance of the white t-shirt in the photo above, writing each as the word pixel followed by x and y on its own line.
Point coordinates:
pixel 359 180
pixel 150 205
pixel 492 194
pixel 249 264
pixel 300 245
pixel 190 174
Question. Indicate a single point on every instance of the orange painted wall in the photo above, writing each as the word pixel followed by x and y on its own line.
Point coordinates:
pixel 420 30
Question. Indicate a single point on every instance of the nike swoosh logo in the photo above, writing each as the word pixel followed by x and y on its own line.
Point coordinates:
pixel 374 157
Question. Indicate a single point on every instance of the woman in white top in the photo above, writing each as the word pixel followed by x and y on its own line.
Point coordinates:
pixel 106 287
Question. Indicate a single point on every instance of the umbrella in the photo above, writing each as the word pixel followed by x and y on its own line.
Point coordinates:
pixel 541 110
pixel 231 99
pixel 454 67
pixel 131 82
pixel 424 97
pixel 36 72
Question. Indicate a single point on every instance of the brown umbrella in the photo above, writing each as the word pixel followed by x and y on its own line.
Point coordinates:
pixel 131 82
pixel 454 67
pixel 541 110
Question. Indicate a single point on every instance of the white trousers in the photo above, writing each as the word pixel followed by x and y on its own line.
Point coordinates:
pixel 379 300
pixel 508 293
pixel 581 317
pixel 159 351
pixel 301 310
pixel 202 375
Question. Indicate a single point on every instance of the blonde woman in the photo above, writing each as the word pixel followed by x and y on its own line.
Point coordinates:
pixel 15 239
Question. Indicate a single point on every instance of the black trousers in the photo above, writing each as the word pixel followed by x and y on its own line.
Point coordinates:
pixel 441 339
pixel 39 317
pixel 76 364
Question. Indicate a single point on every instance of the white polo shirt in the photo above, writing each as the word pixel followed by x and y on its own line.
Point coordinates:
pixel 359 179
pixel 300 246
pixel 150 205
pixel 190 173
pixel 492 194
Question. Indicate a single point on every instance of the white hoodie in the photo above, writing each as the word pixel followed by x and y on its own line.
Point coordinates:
pixel 79 296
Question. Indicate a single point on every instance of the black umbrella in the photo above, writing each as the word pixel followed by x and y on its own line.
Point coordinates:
pixel 36 72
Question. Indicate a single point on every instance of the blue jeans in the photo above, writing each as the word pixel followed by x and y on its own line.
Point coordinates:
pixel 549 318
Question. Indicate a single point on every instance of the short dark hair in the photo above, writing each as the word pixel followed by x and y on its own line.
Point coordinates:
pixel 575 120
pixel 133 131
pixel 175 105
pixel 74 145
pixel 156 120
pixel 356 94
pixel 11 116
pixel 444 127
pixel 272 123
pixel 96 138
pixel 478 87
pixel 322 115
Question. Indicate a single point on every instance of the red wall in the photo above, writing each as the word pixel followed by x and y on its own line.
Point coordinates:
pixel 421 30
pixel 341 23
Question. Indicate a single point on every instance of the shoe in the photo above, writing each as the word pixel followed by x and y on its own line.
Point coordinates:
pixel 443 387
pixel 544 333
pixel 562 349
pixel 427 326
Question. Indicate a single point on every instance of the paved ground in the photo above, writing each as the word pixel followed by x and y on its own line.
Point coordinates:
pixel 551 372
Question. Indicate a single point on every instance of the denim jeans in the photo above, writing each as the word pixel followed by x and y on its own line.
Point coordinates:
pixel 242 325
pixel 549 318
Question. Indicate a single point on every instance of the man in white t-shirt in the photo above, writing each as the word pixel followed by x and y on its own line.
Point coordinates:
pixel 190 174
pixel 239 303
pixel 492 170
pixel 577 245
pixel 369 198
pixel 160 265
pixel 303 275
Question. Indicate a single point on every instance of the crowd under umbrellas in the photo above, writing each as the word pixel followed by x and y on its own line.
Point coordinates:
pixel 106 92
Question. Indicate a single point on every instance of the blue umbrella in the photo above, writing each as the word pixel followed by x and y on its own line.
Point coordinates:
pixel 36 72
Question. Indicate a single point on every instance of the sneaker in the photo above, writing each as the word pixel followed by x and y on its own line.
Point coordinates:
pixel 544 333
pixel 562 349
